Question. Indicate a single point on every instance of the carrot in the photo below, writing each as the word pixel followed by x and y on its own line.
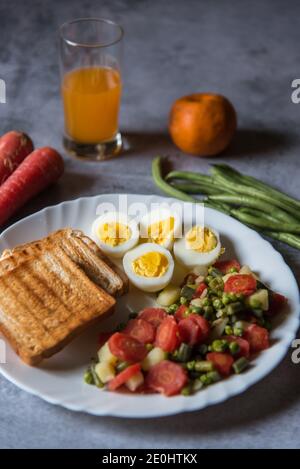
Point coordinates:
pixel 14 147
pixel 40 169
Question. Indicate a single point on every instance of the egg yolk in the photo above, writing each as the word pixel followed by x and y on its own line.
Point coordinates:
pixel 151 264
pixel 201 240
pixel 114 234
pixel 161 230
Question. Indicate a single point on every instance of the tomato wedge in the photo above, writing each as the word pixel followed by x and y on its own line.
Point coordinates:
pixel 167 335
pixel 277 303
pixel 141 330
pixel 243 283
pixel 103 337
pixel 153 315
pixel 226 266
pixel 194 329
pixel 124 376
pixel 167 378
pixel 258 338
pixel 180 312
pixel 126 348
pixel 243 343
pixel 199 290
pixel 222 362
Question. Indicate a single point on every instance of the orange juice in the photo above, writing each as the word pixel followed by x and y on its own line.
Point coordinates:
pixel 91 97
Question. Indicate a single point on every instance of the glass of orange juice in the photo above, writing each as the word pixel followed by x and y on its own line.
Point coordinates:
pixel 91 86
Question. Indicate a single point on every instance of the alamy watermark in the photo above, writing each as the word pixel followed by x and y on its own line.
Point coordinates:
pixel 2 91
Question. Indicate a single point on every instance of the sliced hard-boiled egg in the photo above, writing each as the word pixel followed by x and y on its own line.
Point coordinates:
pixel 161 226
pixel 200 247
pixel 115 233
pixel 149 267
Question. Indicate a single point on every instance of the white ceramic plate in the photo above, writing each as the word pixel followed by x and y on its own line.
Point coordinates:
pixel 59 379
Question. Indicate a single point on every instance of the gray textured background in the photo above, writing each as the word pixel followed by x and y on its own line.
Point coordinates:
pixel 247 50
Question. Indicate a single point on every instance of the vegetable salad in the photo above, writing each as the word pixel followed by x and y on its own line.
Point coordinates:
pixel 208 329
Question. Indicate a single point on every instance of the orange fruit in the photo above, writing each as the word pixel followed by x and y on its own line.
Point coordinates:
pixel 202 124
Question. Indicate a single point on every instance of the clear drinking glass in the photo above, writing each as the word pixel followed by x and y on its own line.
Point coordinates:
pixel 91 86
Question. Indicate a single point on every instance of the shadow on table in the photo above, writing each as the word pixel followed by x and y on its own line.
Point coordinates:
pixel 137 142
pixel 254 141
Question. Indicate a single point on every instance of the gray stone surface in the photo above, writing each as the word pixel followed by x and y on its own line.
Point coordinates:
pixel 246 50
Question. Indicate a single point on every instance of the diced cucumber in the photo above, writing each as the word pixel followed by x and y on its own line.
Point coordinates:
pixel 168 295
pixel 259 299
pixel 105 355
pixel 155 356
pixel 135 381
pixel 105 371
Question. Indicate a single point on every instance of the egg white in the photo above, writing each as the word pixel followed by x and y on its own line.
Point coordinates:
pixel 148 284
pixel 156 216
pixel 116 217
pixel 191 258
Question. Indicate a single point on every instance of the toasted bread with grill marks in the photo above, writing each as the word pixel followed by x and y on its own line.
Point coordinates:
pixel 45 301
pixel 82 250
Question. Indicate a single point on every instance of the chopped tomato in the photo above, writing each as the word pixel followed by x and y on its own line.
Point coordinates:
pixel 222 362
pixel 141 330
pixel 126 348
pixel 180 312
pixel 202 323
pixel 103 337
pixel 258 338
pixel 167 378
pixel 167 335
pixel 226 266
pixel 124 376
pixel 244 283
pixel 199 290
pixel 153 315
pixel 189 331
pixel 243 343
pixel 193 329
pixel 276 303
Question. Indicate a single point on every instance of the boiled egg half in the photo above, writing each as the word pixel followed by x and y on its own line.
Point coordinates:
pixel 115 233
pixel 200 247
pixel 149 267
pixel 161 226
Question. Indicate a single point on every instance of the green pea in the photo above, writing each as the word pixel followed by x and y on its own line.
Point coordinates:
pixel 232 296
pixel 172 309
pixel 205 379
pixel 228 330
pixel 191 365
pixel 225 299
pixel 237 331
pixel 217 304
pixel 234 348
pixel 219 345
pixel 233 270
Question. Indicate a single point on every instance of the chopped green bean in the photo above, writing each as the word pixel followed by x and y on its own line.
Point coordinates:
pixel 240 365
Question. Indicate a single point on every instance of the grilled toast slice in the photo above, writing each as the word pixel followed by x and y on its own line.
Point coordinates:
pixel 45 301
pixel 82 250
